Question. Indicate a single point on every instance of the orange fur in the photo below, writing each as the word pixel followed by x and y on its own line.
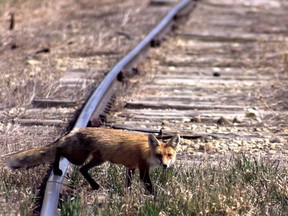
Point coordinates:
pixel 93 146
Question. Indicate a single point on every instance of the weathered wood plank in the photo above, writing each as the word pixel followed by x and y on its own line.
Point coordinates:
pixel 46 102
pixel 232 77
pixel 179 106
pixel 191 82
pixel 43 122
pixel 167 134
pixel 245 38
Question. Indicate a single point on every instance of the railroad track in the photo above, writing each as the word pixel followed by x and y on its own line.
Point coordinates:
pixel 54 110
pixel 97 104
pixel 218 80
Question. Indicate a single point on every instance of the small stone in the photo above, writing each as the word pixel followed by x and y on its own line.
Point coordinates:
pixel 195 146
pixel 223 121
pixel 186 142
pixel 275 140
pixel 32 62
pixel 193 127
pixel 216 74
pixel 237 120
pixel 196 119
pixel 252 113
pixel 257 129
pixel 272 152
pixel 266 141
pixel 232 145
pixel 164 123
pixel 183 148
pixel 207 148
pixel 184 120
pixel 259 146
pixel 190 150
pixel 199 154
pixel 272 146
pixel 209 131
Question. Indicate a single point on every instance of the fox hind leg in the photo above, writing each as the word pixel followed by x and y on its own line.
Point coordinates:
pixel 145 178
pixel 84 171
pixel 56 169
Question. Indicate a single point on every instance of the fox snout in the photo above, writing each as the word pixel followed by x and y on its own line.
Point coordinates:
pixel 164 166
pixel 166 163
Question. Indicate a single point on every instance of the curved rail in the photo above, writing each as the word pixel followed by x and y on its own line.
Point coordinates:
pixel 51 197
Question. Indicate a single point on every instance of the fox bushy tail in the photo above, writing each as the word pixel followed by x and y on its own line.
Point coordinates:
pixel 32 157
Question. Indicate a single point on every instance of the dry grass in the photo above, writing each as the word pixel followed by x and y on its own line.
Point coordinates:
pixel 238 186
pixel 18 189
pixel 242 186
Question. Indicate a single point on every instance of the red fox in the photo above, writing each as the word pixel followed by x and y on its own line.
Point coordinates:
pixel 94 146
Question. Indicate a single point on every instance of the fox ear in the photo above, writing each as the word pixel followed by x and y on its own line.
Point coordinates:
pixel 174 141
pixel 153 141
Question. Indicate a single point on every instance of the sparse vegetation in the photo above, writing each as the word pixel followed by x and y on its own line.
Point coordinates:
pixel 238 186
pixel 242 186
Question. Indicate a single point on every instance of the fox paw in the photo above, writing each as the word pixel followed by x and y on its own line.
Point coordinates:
pixel 95 186
pixel 57 172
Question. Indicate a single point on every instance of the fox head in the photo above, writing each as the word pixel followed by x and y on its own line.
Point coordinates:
pixel 164 155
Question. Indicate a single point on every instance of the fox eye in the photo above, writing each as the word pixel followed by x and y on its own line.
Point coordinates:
pixel 169 155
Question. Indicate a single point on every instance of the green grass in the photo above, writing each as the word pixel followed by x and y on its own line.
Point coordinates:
pixel 242 186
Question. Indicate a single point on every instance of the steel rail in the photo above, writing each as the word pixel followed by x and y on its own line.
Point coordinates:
pixel 53 187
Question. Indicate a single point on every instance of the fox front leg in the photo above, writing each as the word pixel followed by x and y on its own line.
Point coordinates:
pixel 84 171
pixel 129 173
pixel 145 178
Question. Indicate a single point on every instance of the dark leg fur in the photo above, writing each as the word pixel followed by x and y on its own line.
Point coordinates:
pixel 144 176
pixel 84 171
pixel 56 169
